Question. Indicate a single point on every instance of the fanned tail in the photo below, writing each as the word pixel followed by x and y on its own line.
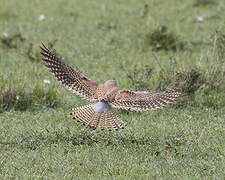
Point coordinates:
pixel 90 118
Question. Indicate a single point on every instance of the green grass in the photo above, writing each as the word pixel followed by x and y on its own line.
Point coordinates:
pixel 143 45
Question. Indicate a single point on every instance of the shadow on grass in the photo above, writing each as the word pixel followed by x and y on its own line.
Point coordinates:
pixel 81 138
pixel 32 140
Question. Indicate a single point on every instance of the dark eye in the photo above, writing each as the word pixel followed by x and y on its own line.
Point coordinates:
pixel 84 78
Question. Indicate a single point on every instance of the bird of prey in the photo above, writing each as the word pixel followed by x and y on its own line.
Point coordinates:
pixel 104 96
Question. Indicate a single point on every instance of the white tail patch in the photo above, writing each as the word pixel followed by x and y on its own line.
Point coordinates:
pixel 101 107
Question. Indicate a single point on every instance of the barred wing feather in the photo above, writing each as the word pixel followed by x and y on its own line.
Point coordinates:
pixel 142 100
pixel 71 78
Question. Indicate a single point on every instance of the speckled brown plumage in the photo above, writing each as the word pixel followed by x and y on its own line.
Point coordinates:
pixel 142 100
pixel 71 78
pixel 104 95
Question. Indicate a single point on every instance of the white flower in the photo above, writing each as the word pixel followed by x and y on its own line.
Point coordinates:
pixel 46 81
pixel 5 34
pixel 199 18
pixel 41 17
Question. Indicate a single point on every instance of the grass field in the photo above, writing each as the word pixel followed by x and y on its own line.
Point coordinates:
pixel 152 45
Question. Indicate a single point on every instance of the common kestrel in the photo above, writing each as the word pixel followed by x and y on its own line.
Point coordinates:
pixel 105 96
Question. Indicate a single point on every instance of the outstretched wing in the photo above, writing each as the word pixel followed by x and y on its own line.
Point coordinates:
pixel 71 78
pixel 142 100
